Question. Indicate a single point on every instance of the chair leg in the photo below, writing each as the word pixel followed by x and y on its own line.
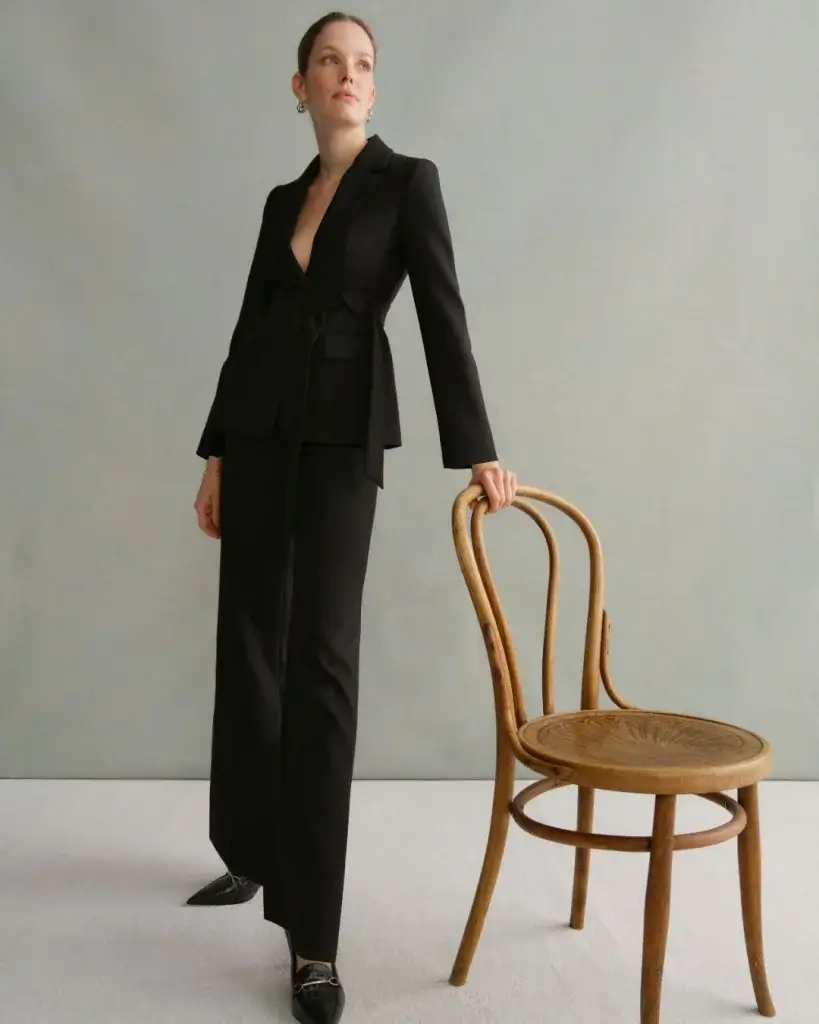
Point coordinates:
pixel 495 846
pixel 750 884
pixel 582 858
pixel 657 906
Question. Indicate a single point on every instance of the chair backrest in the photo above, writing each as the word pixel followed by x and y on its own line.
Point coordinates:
pixel 468 512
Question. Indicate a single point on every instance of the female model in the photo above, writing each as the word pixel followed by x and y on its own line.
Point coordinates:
pixel 294 442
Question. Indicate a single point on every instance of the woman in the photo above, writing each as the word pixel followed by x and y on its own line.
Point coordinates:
pixel 304 408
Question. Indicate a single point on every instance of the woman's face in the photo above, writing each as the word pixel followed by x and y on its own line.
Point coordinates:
pixel 338 87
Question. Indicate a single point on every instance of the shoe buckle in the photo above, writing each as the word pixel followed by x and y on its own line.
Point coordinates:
pixel 334 982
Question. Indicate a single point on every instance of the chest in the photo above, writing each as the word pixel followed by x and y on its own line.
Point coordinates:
pixel 341 238
pixel 316 204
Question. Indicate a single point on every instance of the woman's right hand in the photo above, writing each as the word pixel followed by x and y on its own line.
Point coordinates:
pixel 207 500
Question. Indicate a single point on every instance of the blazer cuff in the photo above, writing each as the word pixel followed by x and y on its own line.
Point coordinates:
pixel 211 444
pixel 454 459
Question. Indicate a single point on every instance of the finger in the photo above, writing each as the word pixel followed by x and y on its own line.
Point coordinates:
pixel 211 527
pixel 500 483
pixel 492 493
pixel 503 489
pixel 215 511
pixel 203 518
pixel 513 483
pixel 212 511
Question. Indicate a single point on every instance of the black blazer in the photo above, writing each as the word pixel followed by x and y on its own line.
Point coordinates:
pixel 309 354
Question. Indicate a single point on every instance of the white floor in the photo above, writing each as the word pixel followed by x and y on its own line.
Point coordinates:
pixel 93 927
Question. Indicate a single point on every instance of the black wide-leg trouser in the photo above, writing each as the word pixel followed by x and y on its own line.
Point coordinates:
pixel 296 524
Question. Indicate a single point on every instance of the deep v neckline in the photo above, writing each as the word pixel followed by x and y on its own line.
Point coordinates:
pixel 306 269
pixel 330 209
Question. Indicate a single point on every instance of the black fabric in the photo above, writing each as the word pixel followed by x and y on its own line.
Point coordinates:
pixel 304 407
pixel 285 713
pixel 315 341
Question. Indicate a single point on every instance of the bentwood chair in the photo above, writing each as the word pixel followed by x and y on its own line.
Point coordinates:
pixel 622 749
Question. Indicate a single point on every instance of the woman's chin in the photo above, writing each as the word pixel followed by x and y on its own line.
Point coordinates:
pixel 348 117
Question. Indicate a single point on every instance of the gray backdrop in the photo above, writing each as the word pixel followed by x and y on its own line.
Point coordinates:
pixel 633 194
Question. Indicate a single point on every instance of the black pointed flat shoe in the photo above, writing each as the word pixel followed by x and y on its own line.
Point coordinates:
pixel 226 890
pixel 318 995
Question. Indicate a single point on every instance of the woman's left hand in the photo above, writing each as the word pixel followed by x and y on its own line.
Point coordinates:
pixel 500 485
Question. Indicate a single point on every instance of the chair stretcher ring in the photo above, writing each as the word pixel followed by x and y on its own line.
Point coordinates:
pixel 624 844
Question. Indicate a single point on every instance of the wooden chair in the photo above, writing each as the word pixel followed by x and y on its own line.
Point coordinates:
pixel 622 749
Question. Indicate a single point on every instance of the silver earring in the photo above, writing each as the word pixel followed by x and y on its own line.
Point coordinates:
pixel 370 114
pixel 301 106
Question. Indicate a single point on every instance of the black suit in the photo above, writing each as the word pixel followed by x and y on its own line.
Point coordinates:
pixel 304 408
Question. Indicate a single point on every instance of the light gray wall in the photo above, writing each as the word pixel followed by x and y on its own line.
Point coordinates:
pixel 633 194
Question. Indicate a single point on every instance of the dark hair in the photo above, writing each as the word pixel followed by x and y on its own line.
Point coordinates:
pixel 311 35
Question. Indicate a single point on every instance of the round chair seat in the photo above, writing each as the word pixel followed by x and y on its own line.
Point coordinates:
pixel 648 751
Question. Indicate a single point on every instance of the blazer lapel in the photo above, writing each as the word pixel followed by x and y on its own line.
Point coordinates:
pixel 355 187
pixel 289 206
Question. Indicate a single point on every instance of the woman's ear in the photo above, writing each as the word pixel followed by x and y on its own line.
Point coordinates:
pixel 297 85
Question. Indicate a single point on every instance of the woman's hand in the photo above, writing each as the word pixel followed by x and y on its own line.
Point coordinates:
pixel 207 500
pixel 500 485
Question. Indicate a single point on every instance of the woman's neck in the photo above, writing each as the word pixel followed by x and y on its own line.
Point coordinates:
pixel 338 148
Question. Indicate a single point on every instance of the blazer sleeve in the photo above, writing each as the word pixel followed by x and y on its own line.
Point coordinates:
pixel 254 303
pixel 463 426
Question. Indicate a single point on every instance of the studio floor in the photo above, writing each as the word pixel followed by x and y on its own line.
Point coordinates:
pixel 94 927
